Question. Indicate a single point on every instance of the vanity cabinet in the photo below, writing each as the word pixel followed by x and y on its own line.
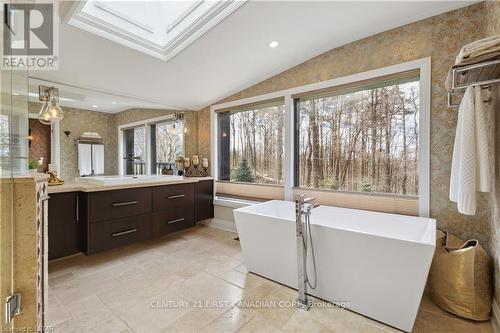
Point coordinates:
pixel 96 221
pixel 173 208
pixel 204 200
pixel 66 224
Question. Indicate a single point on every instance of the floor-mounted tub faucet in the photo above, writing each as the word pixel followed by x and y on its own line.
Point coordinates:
pixel 303 208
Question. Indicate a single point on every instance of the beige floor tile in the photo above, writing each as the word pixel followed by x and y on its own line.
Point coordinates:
pixel 271 302
pixel 230 321
pixel 369 325
pixel 430 322
pixel 260 325
pixel 241 268
pixel 92 315
pixel 56 313
pixel 207 287
pixel 303 321
pixel 195 320
pixel 79 288
pixel 69 326
pixel 159 286
pixel 244 281
pixel 152 313
pixel 325 319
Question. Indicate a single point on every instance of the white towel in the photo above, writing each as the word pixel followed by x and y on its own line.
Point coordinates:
pixel 470 168
pixel 84 159
pixel 98 159
pixel 479 50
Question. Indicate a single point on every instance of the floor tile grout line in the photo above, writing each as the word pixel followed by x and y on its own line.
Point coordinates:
pixel 115 314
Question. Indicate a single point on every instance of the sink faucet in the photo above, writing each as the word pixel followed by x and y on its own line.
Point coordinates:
pixel 303 207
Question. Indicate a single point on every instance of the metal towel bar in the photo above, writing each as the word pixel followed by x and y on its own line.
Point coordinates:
pixel 483 74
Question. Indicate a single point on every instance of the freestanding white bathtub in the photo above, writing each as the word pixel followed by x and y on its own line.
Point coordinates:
pixel 376 262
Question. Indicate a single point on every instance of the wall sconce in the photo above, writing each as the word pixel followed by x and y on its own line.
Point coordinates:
pixel 67 133
pixel 51 112
pixel 177 117
pixel 30 137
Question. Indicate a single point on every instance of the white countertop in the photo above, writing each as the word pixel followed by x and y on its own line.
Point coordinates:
pixel 78 186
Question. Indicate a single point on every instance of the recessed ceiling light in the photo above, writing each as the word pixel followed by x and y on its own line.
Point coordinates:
pixel 95 106
pixel 113 102
pixel 273 44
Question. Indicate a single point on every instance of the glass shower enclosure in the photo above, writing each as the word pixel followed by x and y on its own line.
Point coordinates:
pixel 13 163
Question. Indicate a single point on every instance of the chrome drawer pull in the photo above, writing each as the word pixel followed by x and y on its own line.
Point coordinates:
pixel 176 196
pixel 126 232
pixel 126 203
pixel 177 220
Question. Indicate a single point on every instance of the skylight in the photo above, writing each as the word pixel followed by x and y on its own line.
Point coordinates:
pixel 159 28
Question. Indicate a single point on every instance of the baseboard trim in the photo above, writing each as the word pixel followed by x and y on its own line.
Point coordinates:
pixel 222 225
pixel 495 316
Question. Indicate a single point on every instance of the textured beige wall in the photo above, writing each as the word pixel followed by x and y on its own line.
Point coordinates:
pixel 492 9
pixel 78 121
pixel 440 38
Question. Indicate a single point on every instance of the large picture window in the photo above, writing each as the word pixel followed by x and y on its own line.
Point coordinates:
pixel 360 138
pixel 358 141
pixel 251 144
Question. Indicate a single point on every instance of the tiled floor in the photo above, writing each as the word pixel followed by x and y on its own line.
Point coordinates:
pixel 146 288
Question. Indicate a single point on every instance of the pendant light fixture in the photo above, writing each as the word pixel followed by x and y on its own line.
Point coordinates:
pixel 50 112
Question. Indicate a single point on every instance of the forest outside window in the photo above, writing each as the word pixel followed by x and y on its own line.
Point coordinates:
pixel 251 143
pixel 360 138
pixel 167 143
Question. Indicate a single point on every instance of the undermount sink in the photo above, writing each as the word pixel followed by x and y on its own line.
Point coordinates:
pixel 118 179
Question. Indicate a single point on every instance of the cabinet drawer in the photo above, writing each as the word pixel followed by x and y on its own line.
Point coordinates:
pixel 173 220
pixel 114 233
pixel 173 196
pixel 119 203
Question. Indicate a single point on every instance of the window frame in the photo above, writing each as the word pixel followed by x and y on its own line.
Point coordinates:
pixel 224 145
pixel 290 140
pixel 376 83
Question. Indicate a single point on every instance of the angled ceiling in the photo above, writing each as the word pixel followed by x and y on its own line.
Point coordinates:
pixel 232 55
pixel 161 29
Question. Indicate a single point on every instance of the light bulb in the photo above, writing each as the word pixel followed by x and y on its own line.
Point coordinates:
pixel 50 113
pixel 44 115
pixel 56 112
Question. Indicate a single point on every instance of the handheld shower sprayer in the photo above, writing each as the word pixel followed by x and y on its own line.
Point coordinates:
pixel 303 208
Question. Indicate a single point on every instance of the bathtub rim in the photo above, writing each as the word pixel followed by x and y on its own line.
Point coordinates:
pixel 428 237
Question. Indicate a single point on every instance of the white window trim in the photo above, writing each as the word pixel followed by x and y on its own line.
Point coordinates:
pixel 147 124
pixel 423 65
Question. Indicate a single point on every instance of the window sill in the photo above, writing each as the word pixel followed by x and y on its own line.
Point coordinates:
pixel 233 203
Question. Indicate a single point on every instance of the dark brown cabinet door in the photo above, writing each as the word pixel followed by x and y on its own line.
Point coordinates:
pixel 204 200
pixel 66 211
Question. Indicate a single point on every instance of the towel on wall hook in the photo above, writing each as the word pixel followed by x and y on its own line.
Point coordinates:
pixel 472 152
